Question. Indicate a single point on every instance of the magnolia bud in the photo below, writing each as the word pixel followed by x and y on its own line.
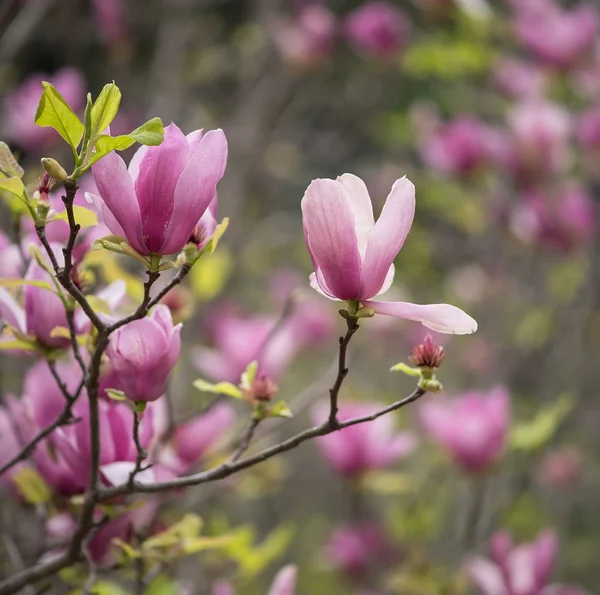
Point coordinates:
pixel 54 168
pixel 428 354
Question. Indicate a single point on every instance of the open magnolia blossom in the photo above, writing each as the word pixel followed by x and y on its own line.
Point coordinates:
pixel 156 203
pixel 353 255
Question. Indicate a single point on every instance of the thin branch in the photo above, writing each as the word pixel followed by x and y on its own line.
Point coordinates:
pixel 141 453
pixel 176 280
pixel 227 469
pixel 342 371
pixel 245 441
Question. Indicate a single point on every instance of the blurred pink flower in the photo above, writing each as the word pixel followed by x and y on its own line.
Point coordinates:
pixel 11 262
pixel 519 79
pixel 157 202
pixel 284 583
pixel 473 428
pixel 194 439
pixel 518 569
pixel 556 36
pixel 460 147
pixel 143 353
pixel 362 447
pixel 309 38
pixel 588 129
pixel 110 20
pixel 541 131
pixel 560 468
pixel 240 339
pixel 563 220
pixel 353 256
pixel 353 549
pixel 378 29
pixel 20 106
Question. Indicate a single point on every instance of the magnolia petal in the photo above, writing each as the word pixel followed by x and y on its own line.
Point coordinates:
pixel 363 209
pixel 442 318
pixel 486 576
pixel 104 214
pixel 329 226
pixel 196 189
pixel 387 236
pixel 285 581
pixel 115 188
pixel 11 311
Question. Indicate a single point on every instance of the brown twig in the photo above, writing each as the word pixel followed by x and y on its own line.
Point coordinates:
pixel 245 441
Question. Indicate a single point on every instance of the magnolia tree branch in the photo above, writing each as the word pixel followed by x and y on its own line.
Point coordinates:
pixel 352 324
pixel 245 441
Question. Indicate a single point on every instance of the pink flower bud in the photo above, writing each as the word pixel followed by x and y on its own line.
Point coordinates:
pixel 427 354
pixel 20 106
pixel 473 429
pixel 157 203
pixel 560 468
pixel 363 447
pixel 377 28
pixel 143 353
pixel 284 582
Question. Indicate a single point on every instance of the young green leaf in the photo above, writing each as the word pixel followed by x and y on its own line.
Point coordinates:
pixel 12 185
pixel 8 164
pixel 105 108
pixel 32 486
pixel 55 112
pixel 221 388
pixel 84 217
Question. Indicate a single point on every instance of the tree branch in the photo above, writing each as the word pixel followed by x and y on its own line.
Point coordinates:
pixel 245 441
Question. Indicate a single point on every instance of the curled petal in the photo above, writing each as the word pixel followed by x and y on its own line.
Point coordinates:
pixel 442 318
pixel 329 227
pixel 387 236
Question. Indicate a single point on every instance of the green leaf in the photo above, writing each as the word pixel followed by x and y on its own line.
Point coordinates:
pixel 12 185
pixel 8 163
pixel 32 486
pixel 405 369
pixel 162 585
pixel 221 388
pixel 535 434
pixel 55 112
pixel 249 374
pixel 151 133
pixel 85 217
pixel 14 282
pixel 105 108
pixel 280 409
pixel 218 234
pixel 23 345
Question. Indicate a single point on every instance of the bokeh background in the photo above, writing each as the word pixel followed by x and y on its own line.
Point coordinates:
pixel 492 109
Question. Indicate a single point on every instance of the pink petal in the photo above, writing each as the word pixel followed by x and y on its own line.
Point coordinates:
pixel 546 548
pixel 104 214
pixel 387 236
pixel 363 209
pixel 159 172
pixel 196 189
pixel 329 226
pixel 285 581
pixel 442 318
pixel 486 576
pixel 11 311
pixel 194 138
pixel 115 187
pixel 134 164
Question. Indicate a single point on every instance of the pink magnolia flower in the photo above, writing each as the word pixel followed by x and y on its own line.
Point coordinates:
pixel 459 147
pixel 143 353
pixel 518 570
pixel 377 28
pixel 239 340
pixel 558 37
pixel 309 38
pixel 353 549
pixel 157 202
pixel 353 256
pixel 363 447
pixel 473 428
pixel 21 105
pixel 11 262
pixel 194 439
pixel 541 132
pixel 519 79
pixel 563 220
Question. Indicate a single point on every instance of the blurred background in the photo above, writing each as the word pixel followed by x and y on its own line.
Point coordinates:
pixel 492 109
